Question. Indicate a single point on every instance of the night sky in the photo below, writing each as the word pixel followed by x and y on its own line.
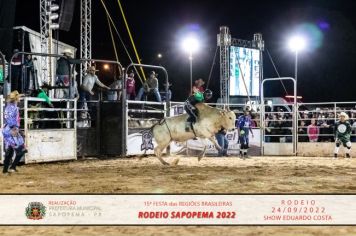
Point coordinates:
pixel 326 68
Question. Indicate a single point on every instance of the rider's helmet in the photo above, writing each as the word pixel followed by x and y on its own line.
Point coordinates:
pixel 208 94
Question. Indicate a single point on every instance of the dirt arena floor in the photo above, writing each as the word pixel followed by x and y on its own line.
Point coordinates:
pixel 210 175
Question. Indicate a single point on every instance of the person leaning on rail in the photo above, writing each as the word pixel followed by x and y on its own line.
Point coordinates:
pixel 151 85
pixel 86 88
pixel 13 140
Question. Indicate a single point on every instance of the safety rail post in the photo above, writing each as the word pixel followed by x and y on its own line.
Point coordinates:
pixel 2 105
pixel 26 117
pixel 125 102
pixel 294 122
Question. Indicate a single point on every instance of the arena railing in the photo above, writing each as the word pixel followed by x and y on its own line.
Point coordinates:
pixel 2 105
pixel 50 131
pixel 325 116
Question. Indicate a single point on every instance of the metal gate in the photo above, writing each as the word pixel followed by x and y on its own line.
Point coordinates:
pixel 278 127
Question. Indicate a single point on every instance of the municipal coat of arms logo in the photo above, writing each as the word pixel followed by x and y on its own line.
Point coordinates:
pixel 35 211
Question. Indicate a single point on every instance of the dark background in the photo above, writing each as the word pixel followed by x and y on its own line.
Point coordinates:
pixel 326 69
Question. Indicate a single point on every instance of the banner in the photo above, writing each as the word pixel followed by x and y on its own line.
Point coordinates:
pixel 178 210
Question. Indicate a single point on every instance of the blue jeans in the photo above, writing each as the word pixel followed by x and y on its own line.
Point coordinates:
pixel 84 96
pixel 223 142
pixel 155 92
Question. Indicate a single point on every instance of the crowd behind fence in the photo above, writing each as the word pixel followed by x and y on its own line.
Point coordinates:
pixel 316 122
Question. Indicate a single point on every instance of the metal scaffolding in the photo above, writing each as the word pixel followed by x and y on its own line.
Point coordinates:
pixel 48 17
pixel 44 30
pixel 224 42
pixel 85 35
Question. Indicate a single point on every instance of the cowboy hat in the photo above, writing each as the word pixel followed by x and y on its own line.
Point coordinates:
pixel 344 115
pixel 153 73
pixel 200 80
pixel 14 96
pixel 92 68
pixel 68 51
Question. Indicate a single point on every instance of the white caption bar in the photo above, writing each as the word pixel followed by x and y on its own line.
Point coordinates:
pixel 178 209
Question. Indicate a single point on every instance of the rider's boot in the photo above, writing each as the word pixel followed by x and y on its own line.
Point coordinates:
pixel 187 126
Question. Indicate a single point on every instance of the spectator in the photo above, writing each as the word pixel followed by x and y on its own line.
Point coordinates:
pixel 273 124
pixel 268 130
pixel 305 117
pixel 151 85
pixel 313 131
pixel 115 90
pixel 64 72
pixel 287 128
pixel 13 140
pixel 302 132
pixel 29 78
pixel 323 127
pixel 169 93
pixel 198 86
pixel 223 142
pixel 87 86
pixel 353 124
pixel 16 72
pixel 130 86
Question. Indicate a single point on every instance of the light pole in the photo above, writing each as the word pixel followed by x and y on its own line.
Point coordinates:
pixel 296 44
pixel 190 45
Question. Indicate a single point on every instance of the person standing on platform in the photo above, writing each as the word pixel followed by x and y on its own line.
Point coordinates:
pixel 130 86
pixel 86 88
pixel 64 71
pixel 151 85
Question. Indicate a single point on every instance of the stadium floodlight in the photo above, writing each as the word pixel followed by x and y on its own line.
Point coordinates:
pixel 106 66
pixel 159 55
pixel 190 44
pixel 296 43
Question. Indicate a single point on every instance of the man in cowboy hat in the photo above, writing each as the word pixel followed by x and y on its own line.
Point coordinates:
pixel 64 70
pixel 151 85
pixel 342 134
pixel 86 88
pixel 12 138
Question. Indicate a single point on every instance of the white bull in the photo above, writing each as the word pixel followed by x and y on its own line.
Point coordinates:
pixel 209 122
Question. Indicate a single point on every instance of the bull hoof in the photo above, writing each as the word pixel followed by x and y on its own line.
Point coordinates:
pixel 165 163
pixel 175 162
